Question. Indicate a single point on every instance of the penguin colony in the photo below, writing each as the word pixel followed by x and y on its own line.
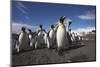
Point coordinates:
pixel 59 37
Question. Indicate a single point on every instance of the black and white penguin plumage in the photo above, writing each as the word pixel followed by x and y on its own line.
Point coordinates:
pixel 76 37
pixel 73 37
pixel 40 38
pixel 69 37
pixel 61 35
pixel 68 30
pixel 31 38
pixel 46 39
pixel 22 43
pixel 51 37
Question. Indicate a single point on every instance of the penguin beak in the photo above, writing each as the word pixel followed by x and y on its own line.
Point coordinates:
pixel 64 17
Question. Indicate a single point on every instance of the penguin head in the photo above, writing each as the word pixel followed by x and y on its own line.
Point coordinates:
pixel 29 30
pixel 52 26
pixel 23 29
pixel 62 18
pixel 61 23
pixel 41 26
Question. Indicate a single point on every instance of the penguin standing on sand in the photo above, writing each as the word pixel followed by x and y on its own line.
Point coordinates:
pixel 76 37
pixel 73 37
pixel 22 43
pixel 45 37
pixel 68 30
pixel 69 36
pixel 31 39
pixel 61 35
pixel 40 38
pixel 51 37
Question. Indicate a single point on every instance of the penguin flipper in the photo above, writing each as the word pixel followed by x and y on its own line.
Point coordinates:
pixel 48 33
pixel 56 28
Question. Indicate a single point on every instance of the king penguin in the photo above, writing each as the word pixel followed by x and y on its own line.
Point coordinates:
pixel 40 38
pixel 73 37
pixel 51 37
pixel 31 38
pixel 22 43
pixel 68 22
pixel 61 35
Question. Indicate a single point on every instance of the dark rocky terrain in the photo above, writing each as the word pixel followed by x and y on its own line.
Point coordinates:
pixel 85 51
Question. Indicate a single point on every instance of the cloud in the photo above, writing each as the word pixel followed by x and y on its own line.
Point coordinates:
pixel 21 7
pixel 85 30
pixel 89 15
pixel 16 27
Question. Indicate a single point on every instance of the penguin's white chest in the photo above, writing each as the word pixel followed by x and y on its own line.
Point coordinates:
pixel 73 37
pixel 40 37
pixel 45 37
pixel 32 40
pixel 61 37
pixel 23 39
pixel 52 34
pixel 30 36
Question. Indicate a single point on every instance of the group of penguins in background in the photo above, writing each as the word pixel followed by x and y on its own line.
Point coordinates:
pixel 59 36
